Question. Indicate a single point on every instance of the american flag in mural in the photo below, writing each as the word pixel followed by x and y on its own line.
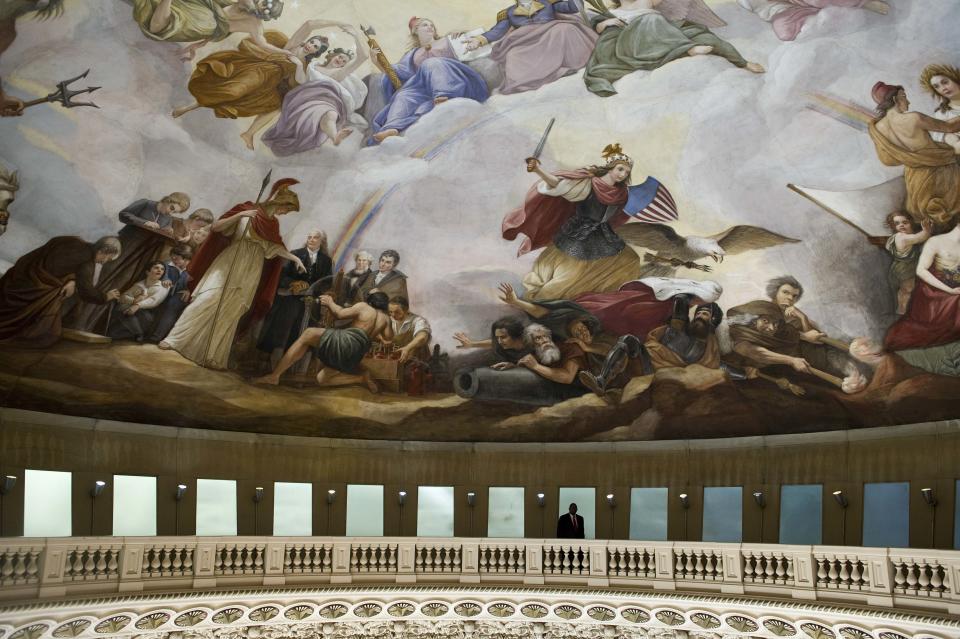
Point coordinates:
pixel 651 202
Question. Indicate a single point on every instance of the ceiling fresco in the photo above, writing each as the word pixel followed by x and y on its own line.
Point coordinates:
pixel 483 220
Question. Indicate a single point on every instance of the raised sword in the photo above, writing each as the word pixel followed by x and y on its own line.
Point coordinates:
pixel 540 145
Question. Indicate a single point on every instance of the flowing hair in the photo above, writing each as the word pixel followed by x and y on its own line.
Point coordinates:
pixel 947 71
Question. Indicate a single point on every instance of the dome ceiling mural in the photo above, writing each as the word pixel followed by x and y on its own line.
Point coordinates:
pixel 538 220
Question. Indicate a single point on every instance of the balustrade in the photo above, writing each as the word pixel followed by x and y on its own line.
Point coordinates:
pixel 31 568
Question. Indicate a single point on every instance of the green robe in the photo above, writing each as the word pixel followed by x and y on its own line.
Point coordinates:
pixel 647 43
pixel 190 20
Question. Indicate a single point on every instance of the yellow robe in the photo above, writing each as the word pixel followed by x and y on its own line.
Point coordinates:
pixel 244 83
pixel 932 176
pixel 190 20
pixel 558 276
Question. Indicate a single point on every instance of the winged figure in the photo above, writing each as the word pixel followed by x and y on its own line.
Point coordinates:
pixel 671 246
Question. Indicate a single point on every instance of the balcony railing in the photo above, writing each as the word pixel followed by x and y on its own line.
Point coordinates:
pixel 79 566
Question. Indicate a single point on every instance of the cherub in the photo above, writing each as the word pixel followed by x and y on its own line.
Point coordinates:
pixel 905 245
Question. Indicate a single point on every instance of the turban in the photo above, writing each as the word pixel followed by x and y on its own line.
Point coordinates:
pixel 882 92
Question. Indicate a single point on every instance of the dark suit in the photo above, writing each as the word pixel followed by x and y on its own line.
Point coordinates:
pixel 566 529
pixel 393 284
pixel 282 326
pixel 172 307
pixel 354 286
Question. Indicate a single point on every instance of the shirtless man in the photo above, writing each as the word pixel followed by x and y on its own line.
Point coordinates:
pixel 340 350
pixel 908 129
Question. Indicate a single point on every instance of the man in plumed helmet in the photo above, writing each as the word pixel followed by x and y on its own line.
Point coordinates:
pixel 234 276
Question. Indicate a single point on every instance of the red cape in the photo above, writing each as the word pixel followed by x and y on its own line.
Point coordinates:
pixel 633 310
pixel 932 319
pixel 267 228
pixel 541 216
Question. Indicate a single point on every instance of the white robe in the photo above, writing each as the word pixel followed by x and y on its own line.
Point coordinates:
pixel 206 330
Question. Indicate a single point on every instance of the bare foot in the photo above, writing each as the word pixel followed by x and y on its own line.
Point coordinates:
pixel 266 379
pixel 386 133
pixel 440 99
pixel 754 67
pixel 178 112
pixel 700 49
pixel 371 384
pixel 341 136
pixel 165 346
pixel 247 140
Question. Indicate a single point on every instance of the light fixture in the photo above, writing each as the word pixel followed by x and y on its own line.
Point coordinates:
pixel 541 500
pixel 258 494
pixel 402 497
pixel 761 499
pixel 9 483
pixel 840 498
pixel 331 496
pixel 471 499
pixel 928 497
pixel 181 489
pixel 98 487
pixel 931 500
pixel 611 500
pixel 684 500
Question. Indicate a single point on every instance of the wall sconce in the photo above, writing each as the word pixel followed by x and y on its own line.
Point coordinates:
pixel 685 504
pixel 331 497
pixel 178 497
pixel 257 498
pixel 541 503
pixel 841 500
pixel 95 492
pixel 471 503
pixel 931 500
pixel 9 483
pixel 401 500
pixel 258 494
pixel 761 501
pixel 612 503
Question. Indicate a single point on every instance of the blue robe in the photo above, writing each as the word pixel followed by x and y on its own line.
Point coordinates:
pixel 435 77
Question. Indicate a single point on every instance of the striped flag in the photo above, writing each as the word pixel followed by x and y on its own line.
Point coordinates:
pixel 651 202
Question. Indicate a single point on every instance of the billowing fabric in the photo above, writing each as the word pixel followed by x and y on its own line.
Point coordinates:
pixel 556 275
pixel 190 20
pixel 932 317
pixel 538 54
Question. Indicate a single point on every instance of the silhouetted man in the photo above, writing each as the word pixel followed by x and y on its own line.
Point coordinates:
pixel 570 526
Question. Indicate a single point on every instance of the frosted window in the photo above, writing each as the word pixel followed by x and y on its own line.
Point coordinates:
pixel 648 514
pixel 956 516
pixel 585 499
pixel 723 513
pixel 46 504
pixel 134 505
pixel 435 511
pixel 364 510
pixel 801 514
pixel 505 513
pixel 292 509
pixel 216 507
pixel 886 512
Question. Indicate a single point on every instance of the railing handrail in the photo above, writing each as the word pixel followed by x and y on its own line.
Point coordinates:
pixel 38 567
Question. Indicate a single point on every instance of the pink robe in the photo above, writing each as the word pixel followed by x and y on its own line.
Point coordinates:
pixel 788 22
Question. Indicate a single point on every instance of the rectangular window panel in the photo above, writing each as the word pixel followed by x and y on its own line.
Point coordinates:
pixel 886 514
pixel 585 499
pixel 435 511
pixel 364 510
pixel 956 515
pixel 648 514
pixel 216 507
pixel 723 513
pixel 46 504
pixel 505 514
pixel 801 514
pixel 134 506
pixel 292 509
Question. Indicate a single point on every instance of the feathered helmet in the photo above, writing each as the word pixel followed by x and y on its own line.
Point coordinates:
pixel 613 154
pixel 281 194
pixel 267 9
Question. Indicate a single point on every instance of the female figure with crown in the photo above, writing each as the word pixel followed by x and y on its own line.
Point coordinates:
pixel 573 214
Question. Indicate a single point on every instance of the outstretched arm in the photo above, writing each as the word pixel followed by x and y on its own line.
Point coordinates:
pixel 533 166
pixel 300 35
pixel 361 51
pixel 509 297
pixel 940 126
pixel 903 240
pixel 465 341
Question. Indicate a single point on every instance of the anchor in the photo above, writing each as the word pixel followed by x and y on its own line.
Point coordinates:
pixel 64 94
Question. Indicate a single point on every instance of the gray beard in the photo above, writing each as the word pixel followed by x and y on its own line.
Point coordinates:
pixel 548 355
